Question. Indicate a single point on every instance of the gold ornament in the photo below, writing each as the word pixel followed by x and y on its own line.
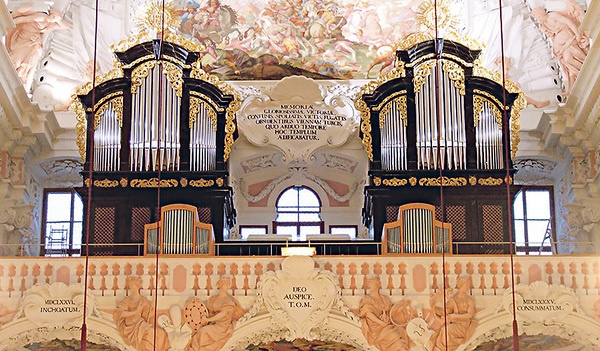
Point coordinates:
pixel 154 17
pixel 153 183
pixel 202 183
pixel 106 183
pixel 395 182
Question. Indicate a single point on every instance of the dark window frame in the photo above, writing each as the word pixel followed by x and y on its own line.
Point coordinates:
pixel 69 250
pixel 540 248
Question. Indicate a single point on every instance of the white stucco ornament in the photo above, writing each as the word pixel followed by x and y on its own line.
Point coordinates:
pixel 56 304
pixel 542 302
pixel 298 302
pixel 299 296
pixel 297 119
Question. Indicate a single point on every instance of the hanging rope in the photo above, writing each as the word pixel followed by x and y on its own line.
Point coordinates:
pixel 89 186
pixel 159 161
pixel 506 127
pixel 439 157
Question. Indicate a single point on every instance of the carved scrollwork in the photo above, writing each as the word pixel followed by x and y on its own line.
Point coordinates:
pixel 456 74
pixel 423 71
pixel 114 100
pixel 445 181
pixel 153 183
pixel 106 183
pixel 365 126
pixel 202 102
pixel 490 181
pixel 201 183
pixel 395 182
pixel 400 102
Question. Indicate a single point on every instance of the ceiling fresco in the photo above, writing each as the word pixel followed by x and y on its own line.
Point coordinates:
pixel 320 39
pixel 332 39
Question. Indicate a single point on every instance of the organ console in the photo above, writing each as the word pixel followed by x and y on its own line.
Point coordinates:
pixel 417 231
pixel 178 232
pixel 440 121
pixel 156 121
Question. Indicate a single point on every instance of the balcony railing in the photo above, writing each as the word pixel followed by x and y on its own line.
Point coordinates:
pixel 490 275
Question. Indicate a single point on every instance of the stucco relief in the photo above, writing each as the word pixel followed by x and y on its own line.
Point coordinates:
pixel 400 326
pixel 24 43
pixel 6 315
pixel 135 319
pixel 298 302
pixel 340 163
pixel 458 315
pixel 297 120
pixel 15 227
pixel 299 297
pixel 569 45
pixel 596 310
pixel 383 323
pixel 298 173
pixel 62 173
pixel 54 304
pixel 176 327
pixel 542 302
pixel 212 322
pixel 258 163
pixel 542 309
pixel 534 171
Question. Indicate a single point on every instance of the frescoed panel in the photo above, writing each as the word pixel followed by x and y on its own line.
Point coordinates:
pixel 271 39
pixel 66 345
pixel 301 344
pixel 530 343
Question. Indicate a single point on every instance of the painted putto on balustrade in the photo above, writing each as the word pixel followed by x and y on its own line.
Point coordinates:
pixel 351 303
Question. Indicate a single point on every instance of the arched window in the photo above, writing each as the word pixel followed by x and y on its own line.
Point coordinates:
pixel 298 213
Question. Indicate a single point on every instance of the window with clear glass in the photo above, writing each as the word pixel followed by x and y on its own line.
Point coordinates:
pixel 63 223
pixel 298 213
pixel 534 233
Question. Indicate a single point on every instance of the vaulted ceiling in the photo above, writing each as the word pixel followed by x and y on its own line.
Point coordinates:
pixel 335 39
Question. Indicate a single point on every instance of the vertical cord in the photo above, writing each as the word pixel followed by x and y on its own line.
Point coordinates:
pixel 506 122
pixel 89 186
pixel 439 157
pixel 159 161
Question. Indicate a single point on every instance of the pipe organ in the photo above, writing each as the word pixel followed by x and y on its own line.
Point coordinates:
pixel 440 120
pixel 156 120
pixel 179 232
pixel 417 231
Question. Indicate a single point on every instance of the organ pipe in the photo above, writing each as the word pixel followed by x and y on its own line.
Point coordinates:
pixel 152 142
pixel 417 231
pixel 182 233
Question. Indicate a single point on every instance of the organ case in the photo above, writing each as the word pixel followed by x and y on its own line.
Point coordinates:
pixel 156 120
pixel 440 119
